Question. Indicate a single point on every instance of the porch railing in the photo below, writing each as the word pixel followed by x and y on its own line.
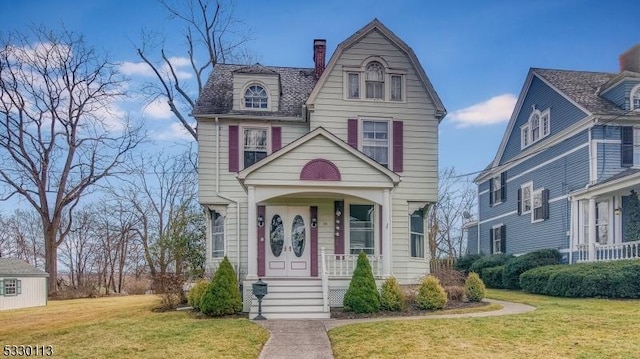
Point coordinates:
pixel 342 265
pixel 325 283
pixel 608 252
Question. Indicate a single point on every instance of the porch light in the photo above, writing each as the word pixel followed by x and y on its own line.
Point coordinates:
pixel 617 211
pixel 260 221
pixel 314 222
pixel 338 213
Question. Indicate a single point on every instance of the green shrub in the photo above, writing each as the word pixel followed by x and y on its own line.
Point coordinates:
pixel 464 263
pixel 492 276
pixel 392 297
pixel 619 279
pixel 488 262
pixel 222 296
pixel 431 295
pixel 362 295
pixel 518 265
pixel 474 288
pixel 196 293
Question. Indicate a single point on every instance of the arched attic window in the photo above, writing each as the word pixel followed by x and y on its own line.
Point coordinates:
pixel 255 97
pixel 635 98
pixel 374 80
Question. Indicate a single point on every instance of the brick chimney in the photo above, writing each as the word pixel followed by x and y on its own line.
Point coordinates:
pixel 629 60
pixel 319 52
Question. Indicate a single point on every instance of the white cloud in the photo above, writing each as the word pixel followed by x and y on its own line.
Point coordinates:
pixel 492 111
pixel 174 132
pixel 158 109
pixel 142 69
pixel 136 68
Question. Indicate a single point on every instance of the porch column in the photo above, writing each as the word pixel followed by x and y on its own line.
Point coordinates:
pixel 252 234
pixel 592 229
pixel 574 230
pixel 386 233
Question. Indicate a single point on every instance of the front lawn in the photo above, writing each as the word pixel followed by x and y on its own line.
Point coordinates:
pixel 126 327
pixel 559 328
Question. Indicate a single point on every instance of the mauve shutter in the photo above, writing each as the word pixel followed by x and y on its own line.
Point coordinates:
pixel 503 186
pixel 490 241
pixel 398 146
pixel 276 138
pixel 545 204
pixel 352 132
pixel 490 191
pixel 626 147
pixel 519 201
pixel 503 239
pixel 314 241
pixel 233 148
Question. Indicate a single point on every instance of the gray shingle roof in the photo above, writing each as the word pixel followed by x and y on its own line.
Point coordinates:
pixel 10 267
pixel 217 95
pixel 582 87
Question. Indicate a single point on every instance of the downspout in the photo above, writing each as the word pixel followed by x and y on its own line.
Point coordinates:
pixel 237 203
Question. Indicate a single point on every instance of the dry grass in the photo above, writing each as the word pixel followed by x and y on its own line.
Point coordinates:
pixel 126 327
pixel 559 328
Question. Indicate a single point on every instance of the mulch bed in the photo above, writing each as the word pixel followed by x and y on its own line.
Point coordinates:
pixel 412 311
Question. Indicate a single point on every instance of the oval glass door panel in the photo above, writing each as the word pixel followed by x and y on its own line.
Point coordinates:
pixel 277 235
pixel 298 236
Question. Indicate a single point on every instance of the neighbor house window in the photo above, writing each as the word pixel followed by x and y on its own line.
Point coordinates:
pixel 217 235
pixel 635 98
pixel 525 201
pixel 10 287
pixel 255 97
pixel 361 228
pixel 375 140
pixel 498 189
pixel 255 145
pixel 540 205
pixel 602 222
pixel 417 233
pixel 353 86
pixel 374 80
pixel 396 88
pixel 536 128
pixel 498 239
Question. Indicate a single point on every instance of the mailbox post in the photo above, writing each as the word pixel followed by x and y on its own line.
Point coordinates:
pixel 259 290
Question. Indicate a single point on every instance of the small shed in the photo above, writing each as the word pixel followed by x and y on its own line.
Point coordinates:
pixel 21 284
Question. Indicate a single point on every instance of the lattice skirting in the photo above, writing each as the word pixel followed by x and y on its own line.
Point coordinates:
pixel 336 296
pixel 247 296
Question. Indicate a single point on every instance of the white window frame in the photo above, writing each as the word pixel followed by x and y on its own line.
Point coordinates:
pixel 243 148
pixel 244 97
pixel 400 78
pixel 10 283
pixel 544 127
pixel 603 220
pixel 375 225
pixel 382 83
pixel 537 192
pixel 361 139
pixel 634 95
pixel 217 253
pixel 497 180
pixel 526 186
pixel 422 235
pixel 348 85
pixel 497 229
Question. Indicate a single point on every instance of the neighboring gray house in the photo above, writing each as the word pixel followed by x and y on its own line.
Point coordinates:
pixel 21 284
pixel 303 168
pixel 567 167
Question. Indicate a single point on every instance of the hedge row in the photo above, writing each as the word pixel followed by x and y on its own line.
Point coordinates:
pixel 488 262
pixel 492 277
pixel 518 265
pixel 620 279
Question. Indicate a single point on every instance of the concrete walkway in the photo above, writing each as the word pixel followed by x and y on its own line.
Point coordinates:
pixel 307 339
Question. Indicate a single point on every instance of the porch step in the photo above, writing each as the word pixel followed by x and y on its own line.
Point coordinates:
pixel 291 299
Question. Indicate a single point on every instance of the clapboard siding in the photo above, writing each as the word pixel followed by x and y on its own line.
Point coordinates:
pixel 563 114
pixel 620 93
pixel 33 293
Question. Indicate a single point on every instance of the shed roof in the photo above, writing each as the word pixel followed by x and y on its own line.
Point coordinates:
pixel 15 267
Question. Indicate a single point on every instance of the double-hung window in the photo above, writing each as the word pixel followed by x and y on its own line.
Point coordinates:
pixel 396 88
pixel 361 228
pixel 374 81
pixel 540 205
pixel 417 234
pixel 536 128
pixel 498 235
pixel 498 189
pixel 526 194
pixel 255 145
pixel 353 85
pixel 217 235
pixel 10 287
pixel 375 140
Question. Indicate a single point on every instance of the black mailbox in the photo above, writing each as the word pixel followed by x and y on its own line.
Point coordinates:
pixel 259 288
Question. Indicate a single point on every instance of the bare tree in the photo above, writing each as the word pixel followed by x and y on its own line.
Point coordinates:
pixel 212 35
pixel 456 195
pixel 59 133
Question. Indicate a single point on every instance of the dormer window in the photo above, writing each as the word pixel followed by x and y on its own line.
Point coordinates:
pixel 536 128
pixel 374 80
pixel 256 97
pixel 635 98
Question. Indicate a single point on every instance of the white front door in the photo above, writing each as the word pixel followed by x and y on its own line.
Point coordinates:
pixel 288 244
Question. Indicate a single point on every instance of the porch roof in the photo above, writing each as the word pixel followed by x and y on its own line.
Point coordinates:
pixel 622 181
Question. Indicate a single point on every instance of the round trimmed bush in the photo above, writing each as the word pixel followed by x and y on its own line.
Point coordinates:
pixel 492 277
pixel 362 295
pixel 518 265
pixel 196 293
pixel 474 288
pixel 488 262
pixel 431 295
pixel 392 298
pixel 222 296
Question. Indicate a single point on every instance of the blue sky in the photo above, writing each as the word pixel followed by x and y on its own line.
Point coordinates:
pixel 476 53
